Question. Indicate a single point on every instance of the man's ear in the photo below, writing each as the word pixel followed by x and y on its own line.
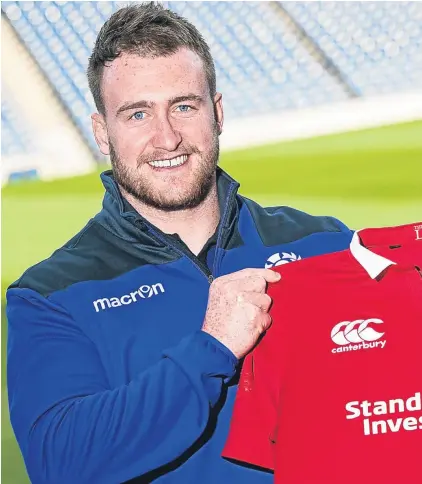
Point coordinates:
pixel 218 110
pixel 99 128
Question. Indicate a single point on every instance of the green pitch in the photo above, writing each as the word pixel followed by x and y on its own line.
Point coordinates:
pixel 365 178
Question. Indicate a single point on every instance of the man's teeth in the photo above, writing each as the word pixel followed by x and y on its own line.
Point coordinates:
pixel 169 163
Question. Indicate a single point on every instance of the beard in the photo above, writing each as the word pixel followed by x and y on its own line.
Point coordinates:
pixel 142 188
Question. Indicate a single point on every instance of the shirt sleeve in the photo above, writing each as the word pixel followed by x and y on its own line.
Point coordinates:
pixel 252 432
pixel 253 421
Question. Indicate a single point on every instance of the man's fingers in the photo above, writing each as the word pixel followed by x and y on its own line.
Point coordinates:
pixel 267 274
pixel 252 284
pixel 248 280
pixel 257 282
pixel 260 300
pixel 268 321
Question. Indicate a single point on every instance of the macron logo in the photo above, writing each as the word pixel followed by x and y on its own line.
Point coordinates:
pixel 143 292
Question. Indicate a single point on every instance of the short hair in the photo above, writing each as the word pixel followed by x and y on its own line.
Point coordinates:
pixel 150 30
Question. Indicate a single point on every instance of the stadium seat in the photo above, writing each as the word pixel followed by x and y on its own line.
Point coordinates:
pixel 56 35
pixel 263 60
pixel 14 138
pixel 376 45
pixel 261 67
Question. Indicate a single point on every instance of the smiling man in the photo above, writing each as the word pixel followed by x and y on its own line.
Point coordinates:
pixel 124 346
pixel 144 122
pixel 160 125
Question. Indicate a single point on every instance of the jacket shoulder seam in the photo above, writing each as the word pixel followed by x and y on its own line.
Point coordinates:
pixel 331 220
pixel 63 248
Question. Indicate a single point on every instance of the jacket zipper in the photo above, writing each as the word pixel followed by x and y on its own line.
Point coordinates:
pixel 195 261
pixel 225 214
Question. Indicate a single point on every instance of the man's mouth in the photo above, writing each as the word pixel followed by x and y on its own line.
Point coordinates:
pixel 170 163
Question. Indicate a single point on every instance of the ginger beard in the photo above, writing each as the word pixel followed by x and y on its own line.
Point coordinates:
pixel 142 188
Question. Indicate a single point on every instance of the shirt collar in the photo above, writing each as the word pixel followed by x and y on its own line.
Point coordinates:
pixel 395 235
pixel 373 264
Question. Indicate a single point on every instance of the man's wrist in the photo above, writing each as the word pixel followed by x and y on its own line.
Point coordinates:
pixel 220 345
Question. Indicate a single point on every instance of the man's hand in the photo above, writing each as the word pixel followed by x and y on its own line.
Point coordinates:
pixel 237 312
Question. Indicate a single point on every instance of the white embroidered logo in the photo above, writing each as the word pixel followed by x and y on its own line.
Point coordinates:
pixel 143 292
pixel 356 335
pixel 278 259
pixel 418 230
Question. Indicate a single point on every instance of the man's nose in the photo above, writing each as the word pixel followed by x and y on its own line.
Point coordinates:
pixel 165 136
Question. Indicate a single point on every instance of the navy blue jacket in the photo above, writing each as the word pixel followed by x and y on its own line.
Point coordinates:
pixel 109 376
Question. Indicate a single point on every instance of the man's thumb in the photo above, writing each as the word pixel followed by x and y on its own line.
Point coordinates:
pixel 273 276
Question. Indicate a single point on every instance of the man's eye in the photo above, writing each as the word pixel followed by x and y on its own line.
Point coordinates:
pixel 184 108
pixel 138 115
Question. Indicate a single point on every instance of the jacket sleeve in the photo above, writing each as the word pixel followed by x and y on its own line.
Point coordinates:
pixel 73 427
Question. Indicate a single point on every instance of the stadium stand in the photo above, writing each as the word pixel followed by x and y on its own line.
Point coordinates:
pixel 254 52
pixel 261 65
pixel 377 45
pixel 15 141
pixel 60 37
pixel 271 57
pixel 14 138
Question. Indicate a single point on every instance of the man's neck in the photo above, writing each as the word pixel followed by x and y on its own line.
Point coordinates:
pixel 194 226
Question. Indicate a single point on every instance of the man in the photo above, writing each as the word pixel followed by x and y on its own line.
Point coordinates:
pixel 124 345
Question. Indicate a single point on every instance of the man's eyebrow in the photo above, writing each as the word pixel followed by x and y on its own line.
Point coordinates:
pixel 135 105
pixel 187 97
pixel 149 104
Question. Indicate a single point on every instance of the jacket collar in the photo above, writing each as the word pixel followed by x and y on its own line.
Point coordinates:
pixel 120 218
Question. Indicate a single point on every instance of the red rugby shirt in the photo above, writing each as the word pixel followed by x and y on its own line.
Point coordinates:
pixel 332 393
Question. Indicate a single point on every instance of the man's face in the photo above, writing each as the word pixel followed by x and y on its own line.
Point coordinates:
pixel 160 128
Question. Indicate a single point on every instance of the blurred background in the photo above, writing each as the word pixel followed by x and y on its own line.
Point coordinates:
pixel 323 108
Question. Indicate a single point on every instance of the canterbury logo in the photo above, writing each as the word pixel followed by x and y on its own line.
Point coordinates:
pixel 355 331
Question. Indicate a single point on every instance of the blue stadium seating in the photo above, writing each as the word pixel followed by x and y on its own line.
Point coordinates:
pixel 260 67
pixel 377 45
pixel 262 64
pixel 15 142
pixel 14 138
pixel 60 36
